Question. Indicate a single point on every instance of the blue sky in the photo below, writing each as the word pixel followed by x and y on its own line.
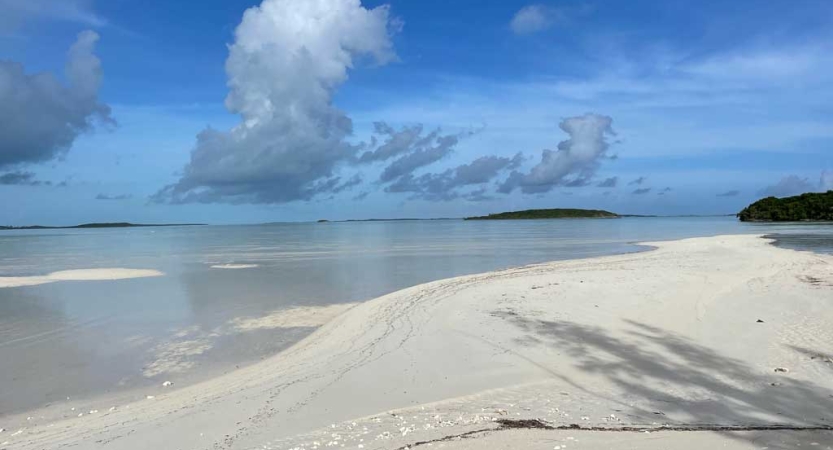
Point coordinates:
pixel 712 104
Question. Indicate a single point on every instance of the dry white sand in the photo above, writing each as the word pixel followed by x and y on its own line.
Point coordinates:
pixel 668 338
pixel 115 273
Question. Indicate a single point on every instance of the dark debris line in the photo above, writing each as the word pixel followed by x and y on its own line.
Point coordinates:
pixel 537 424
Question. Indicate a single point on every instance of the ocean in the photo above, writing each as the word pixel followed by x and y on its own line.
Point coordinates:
pixel 70 340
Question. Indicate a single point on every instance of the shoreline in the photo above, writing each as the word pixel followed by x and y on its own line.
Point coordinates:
pixel 487 350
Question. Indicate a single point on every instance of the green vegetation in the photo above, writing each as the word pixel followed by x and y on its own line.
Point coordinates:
pixel 100 225
pixel 549 214
pixel 804 207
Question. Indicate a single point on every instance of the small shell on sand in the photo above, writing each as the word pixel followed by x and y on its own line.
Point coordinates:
pixel 167 383
pixel 234 266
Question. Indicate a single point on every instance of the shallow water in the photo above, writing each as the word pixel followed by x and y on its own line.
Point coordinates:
pixel 90 338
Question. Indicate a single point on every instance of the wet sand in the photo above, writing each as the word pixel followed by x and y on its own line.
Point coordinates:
pixel 727 338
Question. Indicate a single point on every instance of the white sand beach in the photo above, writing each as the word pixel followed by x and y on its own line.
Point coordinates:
pixel 719 342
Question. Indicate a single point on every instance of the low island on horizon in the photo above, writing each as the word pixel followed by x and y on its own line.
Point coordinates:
pixel 99 225
pixel 557 213
pixel 808 207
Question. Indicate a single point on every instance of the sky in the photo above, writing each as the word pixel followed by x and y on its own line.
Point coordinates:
pixel 242 111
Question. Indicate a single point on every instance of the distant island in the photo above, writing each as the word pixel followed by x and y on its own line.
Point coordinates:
pixel 804 207
pixel 101 225
pixel 549 214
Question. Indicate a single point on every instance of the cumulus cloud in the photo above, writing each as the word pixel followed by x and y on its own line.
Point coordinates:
pixel 287 60
pixel 609 182
pixel 446 185
pixel 641 191
pixel 533 18
pixel 40 117
pixel 113 197
pixel 574 163
pixel 732 193
pixel 20 178
pixel 638 181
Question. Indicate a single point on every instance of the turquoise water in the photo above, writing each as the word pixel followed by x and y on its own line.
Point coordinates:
pixel 93 338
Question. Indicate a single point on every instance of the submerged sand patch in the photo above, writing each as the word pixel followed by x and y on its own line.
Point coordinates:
pixel 302 316
pixel 175 357
pixel 115 273
pixel 178 354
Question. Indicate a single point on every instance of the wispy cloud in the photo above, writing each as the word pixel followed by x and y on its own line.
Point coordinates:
pixel 642 191
pixel 768 64
pixel 534 18
pixel 446 185
pixel 20 178
pixel 113 197
pixel 539 17
pixel 732 193
pixel 14 13
pixel 638 181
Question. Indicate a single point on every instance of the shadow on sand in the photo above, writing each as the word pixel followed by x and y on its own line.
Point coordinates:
pixel 669 379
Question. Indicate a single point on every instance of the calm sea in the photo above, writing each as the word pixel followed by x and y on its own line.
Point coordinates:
pixel 91 339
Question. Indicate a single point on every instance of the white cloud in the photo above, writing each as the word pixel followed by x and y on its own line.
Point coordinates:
pixel 288 58
pixel 574 163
